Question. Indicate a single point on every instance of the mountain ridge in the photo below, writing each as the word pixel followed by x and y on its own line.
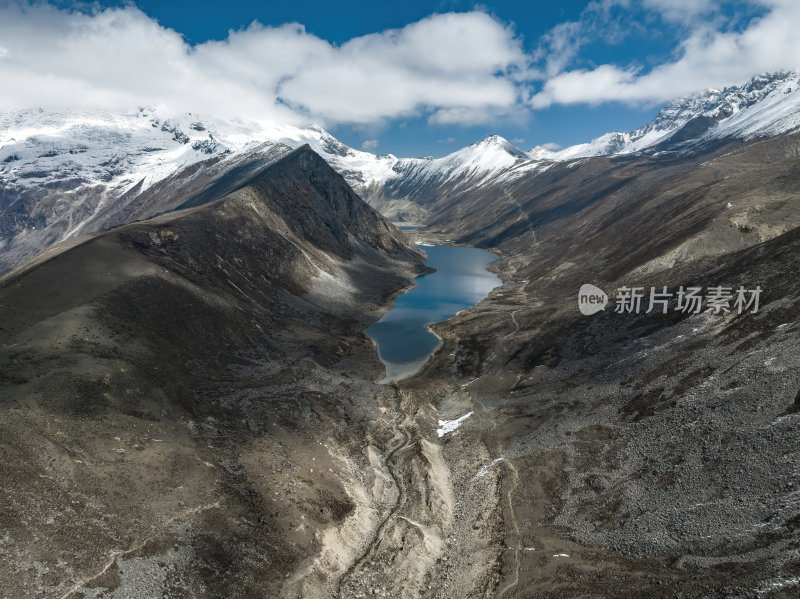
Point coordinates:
pixel 729 110
pixel 29 138
pixel 190 360
pixel 68 173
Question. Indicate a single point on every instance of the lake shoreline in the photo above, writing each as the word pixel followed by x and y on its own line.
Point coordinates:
pixel 403 337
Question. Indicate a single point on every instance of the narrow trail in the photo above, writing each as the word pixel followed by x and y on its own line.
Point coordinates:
pixel 520 297
pixel 515 547
pixel 513 539
pixel 523 214
pixel 516 323
pixel 115 554
pixel 488 424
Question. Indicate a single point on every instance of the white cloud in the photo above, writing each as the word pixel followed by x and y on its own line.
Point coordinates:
pixel 369 144
pixel 462 116
pixel 706 58
pixel 605 83
pixel 601 20
pixel 453 69
pixel 559 47
pixel 456 63
pixel 447 62
pixel 680 11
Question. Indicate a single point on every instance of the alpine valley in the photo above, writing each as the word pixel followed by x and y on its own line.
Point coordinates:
pixel 189 406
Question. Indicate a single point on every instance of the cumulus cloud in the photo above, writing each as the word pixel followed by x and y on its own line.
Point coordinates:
pixel 462 65
pixel 452 69
pixel 707 57
pixel 369 144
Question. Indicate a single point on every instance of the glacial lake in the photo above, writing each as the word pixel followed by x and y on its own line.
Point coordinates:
pixel 460 281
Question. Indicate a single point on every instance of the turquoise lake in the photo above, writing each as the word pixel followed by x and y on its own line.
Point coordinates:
pixel 460 281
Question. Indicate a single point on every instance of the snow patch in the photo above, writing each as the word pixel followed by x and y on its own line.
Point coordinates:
pixel 781 583
pixel 484 470
pixel 448 426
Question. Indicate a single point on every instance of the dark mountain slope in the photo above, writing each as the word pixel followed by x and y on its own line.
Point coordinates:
pixel 173 393
pixel 630 455
pixel 38 216
pixel 654 451
pixel 605 208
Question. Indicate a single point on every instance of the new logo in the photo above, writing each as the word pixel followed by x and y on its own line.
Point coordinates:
pixel 591 300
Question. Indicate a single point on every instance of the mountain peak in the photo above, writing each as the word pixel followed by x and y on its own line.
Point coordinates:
pixel 495 141
pixel 766 105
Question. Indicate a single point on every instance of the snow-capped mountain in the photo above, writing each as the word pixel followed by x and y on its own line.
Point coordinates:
pixel 119 151
pixel 68 166
pixel 765 106
pixel 478 162
pixel 416 182
pixel 68 173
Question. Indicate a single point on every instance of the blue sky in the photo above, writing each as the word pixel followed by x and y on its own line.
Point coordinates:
pixel 408 78
pixel 340 21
